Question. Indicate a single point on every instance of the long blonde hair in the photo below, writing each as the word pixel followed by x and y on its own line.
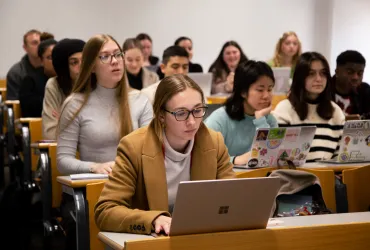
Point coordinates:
pixel 168 87
pixel 276 61
pixel 86 81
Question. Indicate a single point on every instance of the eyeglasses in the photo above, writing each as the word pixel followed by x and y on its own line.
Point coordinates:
pixel 108 58
pixel 183 114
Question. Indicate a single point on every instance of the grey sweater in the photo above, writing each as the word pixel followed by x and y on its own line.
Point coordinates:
pixel 177 169
pixel 94 133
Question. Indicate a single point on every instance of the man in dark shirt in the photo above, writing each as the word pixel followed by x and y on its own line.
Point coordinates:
pixel 30 65
pixel 350 93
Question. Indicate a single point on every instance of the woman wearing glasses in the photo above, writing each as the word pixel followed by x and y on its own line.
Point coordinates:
pixel 152 161
pixel 99 111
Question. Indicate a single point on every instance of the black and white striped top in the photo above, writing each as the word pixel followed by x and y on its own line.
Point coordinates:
pixel 328 133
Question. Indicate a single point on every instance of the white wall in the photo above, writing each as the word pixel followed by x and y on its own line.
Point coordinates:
pixel 351 30
pixel 255 24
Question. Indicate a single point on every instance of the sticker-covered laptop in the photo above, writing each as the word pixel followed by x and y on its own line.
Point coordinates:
pixel 273 144
pixel 354 146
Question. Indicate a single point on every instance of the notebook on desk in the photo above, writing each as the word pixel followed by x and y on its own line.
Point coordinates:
pixel 271 145
pixel 354 147
pixel 223 205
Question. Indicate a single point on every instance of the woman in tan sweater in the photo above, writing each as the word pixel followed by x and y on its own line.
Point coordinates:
pixel 66 61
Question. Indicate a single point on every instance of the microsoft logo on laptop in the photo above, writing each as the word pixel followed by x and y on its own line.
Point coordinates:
pixel 223 210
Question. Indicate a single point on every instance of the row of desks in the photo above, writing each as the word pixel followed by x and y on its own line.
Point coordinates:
pixel 319 232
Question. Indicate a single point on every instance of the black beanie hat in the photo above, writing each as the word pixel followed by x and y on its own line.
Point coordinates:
pixel 62 51
pixel 44 45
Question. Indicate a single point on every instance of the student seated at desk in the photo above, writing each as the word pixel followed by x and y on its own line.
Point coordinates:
pixel 66 59
pixel 287 51
pixel 231 55
pixel 246 110
pixel 310 103
pixel 99 112
pixel 175 60
pixel 152 161
pixel 138 76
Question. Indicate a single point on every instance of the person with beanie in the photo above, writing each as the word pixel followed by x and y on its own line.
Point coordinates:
pixel 66 59
pixel 32 88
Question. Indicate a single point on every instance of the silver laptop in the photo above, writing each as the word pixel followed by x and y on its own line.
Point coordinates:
pixel 355 143
pixel 282 80
pixel 204 80
pixel 223 205
pixel 271 145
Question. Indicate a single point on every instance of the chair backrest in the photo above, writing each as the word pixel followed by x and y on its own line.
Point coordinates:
pixel 2 83
pixel 56 187
pixel 92 195
pixel 276 99
pixel 255 173
pixel 358 188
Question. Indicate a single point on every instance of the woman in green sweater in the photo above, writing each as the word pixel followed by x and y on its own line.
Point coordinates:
pixel 247 109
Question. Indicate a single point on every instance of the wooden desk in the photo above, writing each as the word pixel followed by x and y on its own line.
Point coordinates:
pixel 77 188
pixel 320 232
pixel 3 83
pixel 216 99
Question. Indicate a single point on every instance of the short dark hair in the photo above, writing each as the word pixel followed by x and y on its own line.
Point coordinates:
pixel 30 32
pixel 219 64
pixel 297 96
pixel 173 51
pixel 350 56
pixel 144 36
pixel 182 38
pixel 247 73
pixel 44 45
pixel 46 36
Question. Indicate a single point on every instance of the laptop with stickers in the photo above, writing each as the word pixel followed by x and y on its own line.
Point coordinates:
pixel 354 146
pixel 271 145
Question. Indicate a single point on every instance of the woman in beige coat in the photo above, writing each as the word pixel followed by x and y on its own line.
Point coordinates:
pixel 152 161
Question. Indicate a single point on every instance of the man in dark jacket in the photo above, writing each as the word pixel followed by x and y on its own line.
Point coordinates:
pixel 349 91
pixel 30 65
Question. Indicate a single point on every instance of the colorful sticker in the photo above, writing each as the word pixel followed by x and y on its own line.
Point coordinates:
pixel 356 155
pixel 366 125
pixel 284 153
pixel 263 152
pixel 254 153
pixel 301 157
pixel 272 144
pixel 252 163
pixel 276 133
pixel 347 139
pixel 271 161
pixel 355 141
pixel 295 152
pixel 292 134
pixel 305 146
pixel 343 157
pixel 264 163
pixel 367 141
pixel 262 135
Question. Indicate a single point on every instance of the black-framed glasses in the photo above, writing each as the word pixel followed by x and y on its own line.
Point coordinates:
pixel 108 58
pixel 183 114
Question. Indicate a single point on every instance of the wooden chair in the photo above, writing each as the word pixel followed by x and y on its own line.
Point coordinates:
pixel 216 99
pixel 32 127
pixel 358 188
pixel 2 83
pixel 256 173
pixel 92 195
pixel 276 99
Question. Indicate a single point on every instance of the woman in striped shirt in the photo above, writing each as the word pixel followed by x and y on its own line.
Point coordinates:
pixel 309 104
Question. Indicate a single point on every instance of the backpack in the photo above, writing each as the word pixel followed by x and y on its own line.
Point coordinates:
pixel 296 184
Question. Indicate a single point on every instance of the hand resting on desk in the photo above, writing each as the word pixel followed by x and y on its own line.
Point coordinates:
pixel 162 223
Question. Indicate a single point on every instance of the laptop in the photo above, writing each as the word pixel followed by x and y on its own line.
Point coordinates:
pixel 354 146
pixel 223 205
pixel 282 80
pixel 204 80
pixel 273 144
